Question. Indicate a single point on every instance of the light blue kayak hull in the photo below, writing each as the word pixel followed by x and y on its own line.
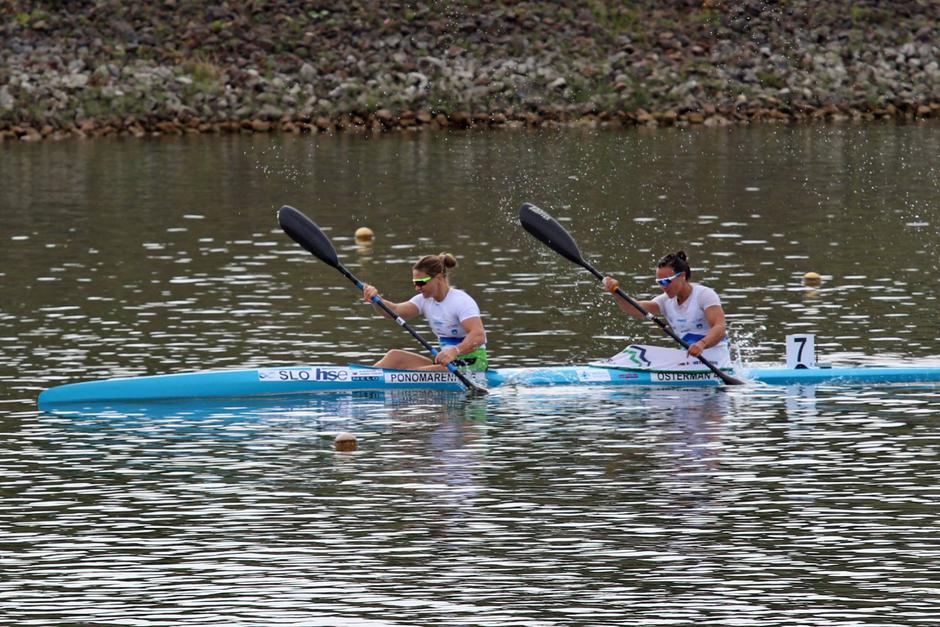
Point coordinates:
pixel 303 379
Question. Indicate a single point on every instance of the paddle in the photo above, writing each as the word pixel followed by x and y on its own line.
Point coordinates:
pixel 548 231
pixel 305 232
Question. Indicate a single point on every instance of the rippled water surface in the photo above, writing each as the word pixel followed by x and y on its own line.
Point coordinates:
pixel 757 506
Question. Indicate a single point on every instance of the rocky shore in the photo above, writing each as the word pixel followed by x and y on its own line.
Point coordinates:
pixel 109 67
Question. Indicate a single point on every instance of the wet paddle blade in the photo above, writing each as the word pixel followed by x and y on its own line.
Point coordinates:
pixel 305 232
pixel 547 230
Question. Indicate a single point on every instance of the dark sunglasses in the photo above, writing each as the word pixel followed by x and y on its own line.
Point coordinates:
pixel 422 281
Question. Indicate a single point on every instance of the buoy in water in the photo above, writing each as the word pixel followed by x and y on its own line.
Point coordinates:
pixel 811 278
pixel 364 234
pixel 345 442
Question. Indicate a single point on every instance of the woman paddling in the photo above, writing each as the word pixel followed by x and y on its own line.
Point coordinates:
pixel 692 310
pixel 453 315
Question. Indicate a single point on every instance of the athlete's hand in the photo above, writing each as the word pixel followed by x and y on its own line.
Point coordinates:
pixel 446 356
pixel 696 349
pixel 368 292
pixel 611 284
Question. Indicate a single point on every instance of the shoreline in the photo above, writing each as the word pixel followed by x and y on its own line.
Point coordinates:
pixel 187 66
pixel 384 121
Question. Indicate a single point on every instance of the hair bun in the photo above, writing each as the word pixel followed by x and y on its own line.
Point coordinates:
pixel 678 262
pixel 448 260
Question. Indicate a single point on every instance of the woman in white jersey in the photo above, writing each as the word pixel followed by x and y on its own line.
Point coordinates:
pixel 452 314
pixel 692 310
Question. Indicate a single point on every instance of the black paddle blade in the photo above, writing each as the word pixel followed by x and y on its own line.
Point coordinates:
pixel 546 229
pixel 305 232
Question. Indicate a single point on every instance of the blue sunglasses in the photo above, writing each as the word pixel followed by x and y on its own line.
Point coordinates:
pixel 669 279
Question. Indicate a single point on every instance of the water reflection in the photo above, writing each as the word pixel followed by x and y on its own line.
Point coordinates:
pixel 637 505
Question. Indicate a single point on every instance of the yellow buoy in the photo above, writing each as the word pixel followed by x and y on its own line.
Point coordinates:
pixel 364 234
pixel 812 278
pixel 345 442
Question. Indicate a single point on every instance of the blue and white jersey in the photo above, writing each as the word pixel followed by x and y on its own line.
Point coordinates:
pixel 445 316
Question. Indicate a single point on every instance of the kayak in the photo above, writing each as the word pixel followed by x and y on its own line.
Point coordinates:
pixel 308 379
